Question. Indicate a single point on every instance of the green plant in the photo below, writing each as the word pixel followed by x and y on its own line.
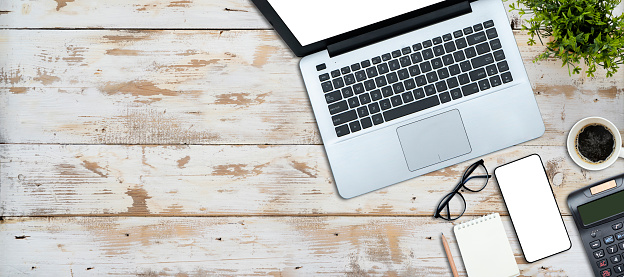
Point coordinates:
pixel 576 29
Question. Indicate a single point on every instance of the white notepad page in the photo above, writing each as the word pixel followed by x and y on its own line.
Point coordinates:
pixel 484 247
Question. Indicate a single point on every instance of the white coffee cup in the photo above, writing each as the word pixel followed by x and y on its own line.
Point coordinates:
pixel 573 152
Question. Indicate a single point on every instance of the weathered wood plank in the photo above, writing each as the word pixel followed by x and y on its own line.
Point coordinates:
pixel 235 180
pixel 250 246
pixel 207 87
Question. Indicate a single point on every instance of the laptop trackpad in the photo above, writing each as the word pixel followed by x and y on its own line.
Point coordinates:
pixel 433 140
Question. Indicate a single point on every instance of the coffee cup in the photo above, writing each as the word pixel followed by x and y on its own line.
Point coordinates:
pixel 594 143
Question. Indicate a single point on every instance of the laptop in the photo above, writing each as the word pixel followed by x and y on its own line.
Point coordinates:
pixel 402 88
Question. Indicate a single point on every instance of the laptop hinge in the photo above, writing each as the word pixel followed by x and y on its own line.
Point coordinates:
pixel 399 28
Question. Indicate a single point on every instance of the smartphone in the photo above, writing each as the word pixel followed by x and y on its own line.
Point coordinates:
pixel 532 208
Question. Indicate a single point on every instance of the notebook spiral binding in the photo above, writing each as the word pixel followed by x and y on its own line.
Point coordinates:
pixel 477 220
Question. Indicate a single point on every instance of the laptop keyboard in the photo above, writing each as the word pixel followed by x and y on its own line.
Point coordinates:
pixel 412 79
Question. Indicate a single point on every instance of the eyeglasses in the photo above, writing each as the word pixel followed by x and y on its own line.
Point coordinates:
pixel 471 183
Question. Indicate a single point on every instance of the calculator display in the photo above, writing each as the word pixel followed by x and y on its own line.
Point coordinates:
pixel 602 208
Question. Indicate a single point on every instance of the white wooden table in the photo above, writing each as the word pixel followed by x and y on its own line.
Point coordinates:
pixel 176 138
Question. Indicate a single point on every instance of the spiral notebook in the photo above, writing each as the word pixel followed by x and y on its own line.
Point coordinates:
pixel 484 247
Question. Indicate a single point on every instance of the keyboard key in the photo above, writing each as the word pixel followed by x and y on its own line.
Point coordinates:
pixel 458 33
pixel 419 93
pixel 411 108
pixel 448 59
pixel 338 82
pixel 406 50
pixel 436 63
pixel 396 53
pixel 362 111
pixel 344 117
pixel 417 47
pixel 376 60
pixel 342 130
pixel 360 75
pixel 403 74
pixel 438 50
pixel 427 54
pixel 398 88
pixel 476 38
pixel 349 79
pixel 594 244
pixel 441 86
pixel 355 126
pixel 321 67
pixel 491 33
pixel 465 66
pixel 425 67
pixel 420 80
pixel 482 60
pixel 447 37
pixel 333 97
pixel 383 68
pixel 478 27
pixel 502 66
pixel 495 44
pixel 358 88
pixel 386 57
pixel 499 55
pixel 621 245
pixel 488 24
pixel 456 93
pixel 506 77
pixel 387 91
pixel 374 108
pixel 612 249
pixel 452 82
pixel 449 47
pixel 454 69
pixel 607 239
pixel 491 70
pixel 602 263
pixel 426 43
pixel 437 40
pixel 378 119
pixel 430 90
pixel 414 70
pixel 445 97
pixel 416 57
pixel 461 43
pixel 335 73
pixel 365 63
pixel 407 97
pixel 443 73
pixel 432 77
pixel 484 84
pixel 405 61
pixel 345 70
pixel 381 81
pixel 327 86
pixel 463 79
pixel 617 226
pixel 355 66
pixel 365 98
pixel 366 122
pixel 605 273
pixel 338 107
pixel 470 52
pixel 385 104
pixel 394 65
pixel 353 102
pixel 369 85
pixel 392 77
pixel 483 48
pixel 371 72
pixel 347 92
pixel 323 77
pixel 376 95
pixel 477 74
pixel 495 81
pixel 467 30
pixel 470 89
pixel 599 254
pixel 618 269
pixel 619 236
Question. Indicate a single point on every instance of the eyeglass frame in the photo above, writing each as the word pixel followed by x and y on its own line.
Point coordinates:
pixel 462 183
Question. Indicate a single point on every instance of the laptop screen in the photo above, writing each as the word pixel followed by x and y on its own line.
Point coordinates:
pixel 315 20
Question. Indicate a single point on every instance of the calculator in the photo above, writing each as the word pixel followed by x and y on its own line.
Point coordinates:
pixel 598 212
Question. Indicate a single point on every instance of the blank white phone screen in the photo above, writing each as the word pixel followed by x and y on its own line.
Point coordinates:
pixel 532 208
pixel 312 21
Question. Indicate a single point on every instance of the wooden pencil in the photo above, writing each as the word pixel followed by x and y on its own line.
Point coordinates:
pixel 449 256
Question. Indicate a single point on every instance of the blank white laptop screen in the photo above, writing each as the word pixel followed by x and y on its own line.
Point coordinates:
pixel 316 20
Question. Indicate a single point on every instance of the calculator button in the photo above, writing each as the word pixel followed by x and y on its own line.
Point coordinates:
pixel 594 244
pixel 609 239
pixel 621 245
pixel 618 268
pixel 616 259
pixel 602 263
pixel 612 249
pixel 605 273
pixel 617 226
pixel 599 254
pixel 619 236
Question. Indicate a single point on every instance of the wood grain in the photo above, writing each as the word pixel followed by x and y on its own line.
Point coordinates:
pixel 208 87
pixel 41 180
pixel 249 246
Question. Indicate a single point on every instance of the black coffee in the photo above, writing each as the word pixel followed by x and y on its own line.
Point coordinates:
pixel 595 143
